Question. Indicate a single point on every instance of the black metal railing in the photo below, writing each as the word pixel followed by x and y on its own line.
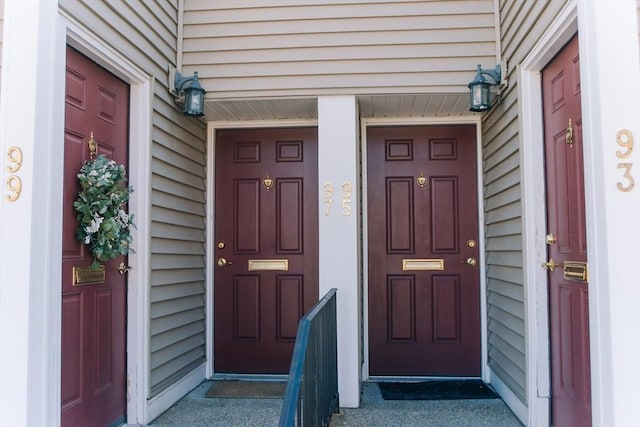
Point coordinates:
pixel 311 396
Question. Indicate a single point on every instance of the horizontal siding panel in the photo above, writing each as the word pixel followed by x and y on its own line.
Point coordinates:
pixel 171 141
pixel 506 197
pixel 504 212
pixel 508 289
pixel 168 354
pixel 511 379
pixel 175 261
pixel 505 243
pixel 511 338
pixel 269 12
pixel 510 365
pixel 169 201
pixel 171 216
pixel 196 48
pixel 506 274
pixel 176 335
pixel 175 277
pixel 165 155
pixel 176 369
pixel 506 303
pixel 176 290
pixel 506 166
pixel 175 320
pixel 506 349
pixel 504 228
pixel 508 259
pixel 507 319
pixel 310 48
pixel 173 232
pixel 507 181
pixel 343 67
pixel 184 247
pixel 164 308
pixel 175 185
pixel 340 25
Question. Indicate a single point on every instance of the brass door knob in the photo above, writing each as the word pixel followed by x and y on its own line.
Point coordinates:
pixel 470 261
pixel 223 262
pixel 549 265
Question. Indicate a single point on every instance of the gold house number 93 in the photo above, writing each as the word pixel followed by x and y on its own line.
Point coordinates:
pixel 624 139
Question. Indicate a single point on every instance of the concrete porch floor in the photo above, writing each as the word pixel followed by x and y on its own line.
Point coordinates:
pixel 197 410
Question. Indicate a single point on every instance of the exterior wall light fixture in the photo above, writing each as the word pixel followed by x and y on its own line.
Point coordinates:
pixel 479 88
pixel 188 92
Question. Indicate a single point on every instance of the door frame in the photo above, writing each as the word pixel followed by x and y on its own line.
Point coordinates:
pixel 534 211
pixel 423 121
pixel 609 309
pixel 72 33
pixel 212 127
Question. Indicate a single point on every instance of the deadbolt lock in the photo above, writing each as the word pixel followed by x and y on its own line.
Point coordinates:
pixel 220 245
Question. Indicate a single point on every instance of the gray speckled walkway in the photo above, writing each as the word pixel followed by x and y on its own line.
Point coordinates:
pixel 197 410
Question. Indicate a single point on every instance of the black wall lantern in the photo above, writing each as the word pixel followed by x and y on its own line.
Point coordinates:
pixel 480 89
pixel 188 91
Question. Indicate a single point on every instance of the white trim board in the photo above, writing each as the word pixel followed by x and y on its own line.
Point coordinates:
pixel 141 101
pixel 534 224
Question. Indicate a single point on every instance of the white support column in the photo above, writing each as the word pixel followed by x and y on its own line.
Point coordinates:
pixel 339 232
pixel 31 107
pixel 610 82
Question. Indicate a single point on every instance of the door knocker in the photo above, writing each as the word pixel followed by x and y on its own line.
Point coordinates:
pixel 421 180
pixel 268 183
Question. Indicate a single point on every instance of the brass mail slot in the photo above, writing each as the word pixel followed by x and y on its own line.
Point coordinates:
pixel 576 270
pixel 268 265
pixel 433 264
pixel 88 276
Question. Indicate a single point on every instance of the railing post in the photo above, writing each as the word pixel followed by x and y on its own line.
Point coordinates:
pixel 311 396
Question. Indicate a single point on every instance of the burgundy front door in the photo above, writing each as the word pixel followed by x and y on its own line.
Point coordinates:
pixel 93 315
pixel 266 255
pixel 424 291
pixel 567 239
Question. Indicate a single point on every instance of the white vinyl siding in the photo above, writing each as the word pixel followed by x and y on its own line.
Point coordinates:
pixel 255 49
pixel 522 24
pixel 146 34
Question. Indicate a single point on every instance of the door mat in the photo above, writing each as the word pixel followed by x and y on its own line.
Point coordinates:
pixel 437 390
pixel 247 389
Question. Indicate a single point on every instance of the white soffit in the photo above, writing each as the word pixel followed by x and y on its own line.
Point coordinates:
pixel 378 106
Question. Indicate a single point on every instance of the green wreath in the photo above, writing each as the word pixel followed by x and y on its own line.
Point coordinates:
pixel 105 225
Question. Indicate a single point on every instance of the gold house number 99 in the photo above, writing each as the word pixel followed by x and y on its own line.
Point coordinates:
pixel 14 183
pixel 624 138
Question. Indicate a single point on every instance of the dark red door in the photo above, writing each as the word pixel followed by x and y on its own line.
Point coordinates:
pixel 424 291
pixel 568 288
pixel 266 255
pixel 93 315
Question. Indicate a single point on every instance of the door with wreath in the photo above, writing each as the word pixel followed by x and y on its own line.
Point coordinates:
pixel 96 238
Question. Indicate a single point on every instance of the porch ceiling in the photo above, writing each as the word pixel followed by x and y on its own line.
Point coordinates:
pixel 388 106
